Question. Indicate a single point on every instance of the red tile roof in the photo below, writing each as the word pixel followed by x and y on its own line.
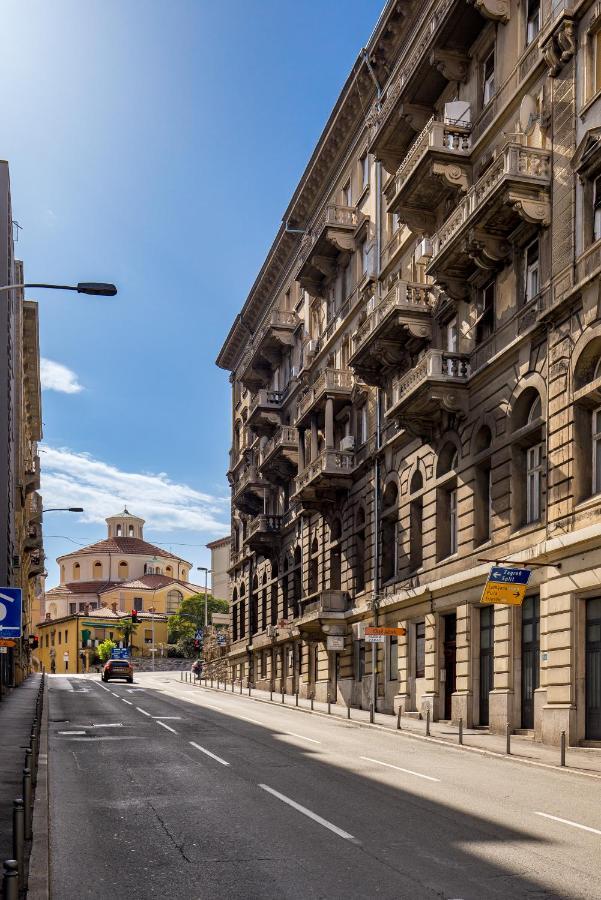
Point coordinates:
pixel 81 587
pixel 126 545
pixel 151 583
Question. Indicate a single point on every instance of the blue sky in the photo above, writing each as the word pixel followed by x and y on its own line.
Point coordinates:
pixel 155 143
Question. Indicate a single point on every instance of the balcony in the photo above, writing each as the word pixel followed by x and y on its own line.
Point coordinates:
pixel 31 480
pixel 266 349
pixel 399 325
pixel 263 532
pixel 36 564
pixel 435 387
pixel 248 492
pixel 33 538
pixel 321 480
pixel 436 167
pixel 333 234
pixel 515 188
pixel 335 383
pixel 264 412
pixel 325 605
pixel 278 459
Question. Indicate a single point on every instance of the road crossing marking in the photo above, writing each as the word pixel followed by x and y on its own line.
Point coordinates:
pixel 168 727
pixel 208 753
pixel 309 814
pixel 143 711
pixel 167 717
pixel 104 688
pixel 114 694
pixel 71 732
pixel 567 822
pixel 399 769
pixel 129 703
pixel 302 737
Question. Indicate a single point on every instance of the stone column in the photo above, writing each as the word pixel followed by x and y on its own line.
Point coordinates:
pixel 430 697
pixel 461 703
pixel 558 644
pixel 402 698
pixel 329 423
pixel 314 441
pixel 301 449
pixel 501 699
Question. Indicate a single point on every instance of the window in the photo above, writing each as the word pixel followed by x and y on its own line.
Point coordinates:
pixel 148 635
pixel 532 20
pixel 597 451
pixel 122 570
pixel 314 567
pixel 60 637
pixel 76 571
pixel 596 63
pixel 364 163
pixel 263 664
pixel 139 603
pixel 420 649
pixel 488 78
pixel 365 257
pixel 346 282
pixel 534 457
pixel 393 659
pixel 389 531
pixel 362 424
pixel 485 322
pixel 453 522
pixel 72 609
pixel 531 270
pixel 118 531
pixel 97 571
pixel 174 600
pixel 416 517
pixel 597 209
pixel 130 531
pixel 359 660
pixel 360 561
pixel 447 527
pixel 347 194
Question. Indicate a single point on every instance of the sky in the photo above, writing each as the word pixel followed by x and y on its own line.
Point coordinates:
pixel 155 144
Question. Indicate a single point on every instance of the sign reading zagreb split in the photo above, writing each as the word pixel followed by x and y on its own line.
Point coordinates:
pixel 385 632
pixel 10 612
pixel 506 585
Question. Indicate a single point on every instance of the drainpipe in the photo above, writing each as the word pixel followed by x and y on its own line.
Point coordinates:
pixel 376 599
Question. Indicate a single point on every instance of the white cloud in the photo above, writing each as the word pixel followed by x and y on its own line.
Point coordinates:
pixel 77 479
pixel 56 377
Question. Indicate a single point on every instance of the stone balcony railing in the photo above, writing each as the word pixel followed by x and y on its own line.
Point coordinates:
pixel 338 217
pixel 529 165
pixel 435 364
pixel 329 462
pixel 452 139
pixel 266 399
pixel 278 320
pixel 404 296
pixel 325 602
pixel 337 381
pixel 264 524
pixel 285 436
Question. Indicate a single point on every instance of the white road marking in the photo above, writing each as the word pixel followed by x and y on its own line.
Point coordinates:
pixel 109 725
pixel 309 813
pixel 114 694
pixel 568 822
pixel 143 711
pixel 213 706
pixel 247 719
pixel 208 752
pixel 104 688
pixel 302 737
pixel 127 701
pixel 399 769
pixel 168 727
pixel 167 717
pixel 71 732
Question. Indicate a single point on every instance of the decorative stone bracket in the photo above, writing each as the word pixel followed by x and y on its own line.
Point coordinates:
pixel 452 65
pixel 536 212
pixel 560 46
pixel 496 10
pixel 454 175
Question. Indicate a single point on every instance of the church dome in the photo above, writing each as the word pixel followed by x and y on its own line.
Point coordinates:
pixel 125 525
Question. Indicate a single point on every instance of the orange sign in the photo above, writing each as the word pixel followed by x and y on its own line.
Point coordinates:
pixel 389 632
pixel 7 642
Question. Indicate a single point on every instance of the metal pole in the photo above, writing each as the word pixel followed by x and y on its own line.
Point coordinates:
pixel 312 703
pixel 153 647
pixel 461 730
pixel 371 711
pixel 283 701
pixel 348 711
pixel 398 719
pixel 296 699
pixel 329 706
pixel 428 721
pixel 508 739
pixel 271 695
pixel 206 597
pixel 27 803
pixel 10 882
pixel 18 834
pixel 562 749
pixel 241 684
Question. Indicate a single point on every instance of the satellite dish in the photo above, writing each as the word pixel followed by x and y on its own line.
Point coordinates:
pixel 528 114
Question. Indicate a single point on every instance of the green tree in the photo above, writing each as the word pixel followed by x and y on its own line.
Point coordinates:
pixel 104 649
pixel 191 616
pixel 128 629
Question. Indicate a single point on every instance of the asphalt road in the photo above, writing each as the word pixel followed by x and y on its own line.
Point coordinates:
pixel 163 789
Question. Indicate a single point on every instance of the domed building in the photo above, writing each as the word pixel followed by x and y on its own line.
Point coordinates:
pixel 121 572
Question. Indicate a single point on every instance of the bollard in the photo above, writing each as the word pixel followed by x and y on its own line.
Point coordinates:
pixel 296 699
pixel 181 675
pixel 562 749
pixel 249 688
pixel 211 682
pixel 428 721
pixel 348 711
pixel 271 695
pixel 508 739
pixel 18 835
pixel 27 803
pixel 233 685
pixel 312 704
pixel 329 707
pixel 398 719
pixel 10 882
pixel 240 684
pixel 371 714
pixel 461 730
pixel 34 755
pixel 28 764
pixel 283 700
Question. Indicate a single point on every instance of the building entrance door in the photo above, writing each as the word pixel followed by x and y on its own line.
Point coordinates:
pixel 486 660
pixel 530 657
pixel 593 669
pixel 450 660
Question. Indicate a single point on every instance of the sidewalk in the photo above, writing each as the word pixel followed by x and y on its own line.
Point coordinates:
pixel 583 759
pixel 17 711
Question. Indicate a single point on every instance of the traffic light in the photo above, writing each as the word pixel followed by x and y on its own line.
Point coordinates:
pixel 34 642
pixel 134 616
pixel 197 645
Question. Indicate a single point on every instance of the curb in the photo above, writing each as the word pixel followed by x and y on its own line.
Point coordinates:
pixel 39 862
pixel 564 770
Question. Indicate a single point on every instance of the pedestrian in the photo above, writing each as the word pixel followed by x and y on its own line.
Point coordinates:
pixel 197 669
pixel 53 667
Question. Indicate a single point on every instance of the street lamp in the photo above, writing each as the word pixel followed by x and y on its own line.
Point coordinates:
pixel 206 571
pixel 152 609
pixel 95 288
pixel 64 509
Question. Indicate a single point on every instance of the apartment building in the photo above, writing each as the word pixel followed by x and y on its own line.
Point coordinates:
pixel 416 381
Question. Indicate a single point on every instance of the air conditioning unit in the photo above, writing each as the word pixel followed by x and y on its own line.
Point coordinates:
pixel 347 443
pixel 312 348
pixel 423 251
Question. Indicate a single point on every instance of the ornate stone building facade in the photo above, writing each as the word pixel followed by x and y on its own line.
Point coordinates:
pixel 416 379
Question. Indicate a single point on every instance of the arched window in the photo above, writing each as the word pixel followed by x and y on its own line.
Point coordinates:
pixel 274 594
pixel 416 520
pixel 389 532
pixel 62 574
pixel 242 610
pixel 314 567
pixel 360 561
pixel 118 531
pixel 174 601
pixel 285 590
pixel 528 454
pixel 254 606
pixel 235 614
pixel 76 571
pixel 297 582
pixel 482 486
pixel 264 602
pixel 97 571
pixel 168 570
pixel 130 531
pixel 122 570
pixel 447 522
pixel 336 555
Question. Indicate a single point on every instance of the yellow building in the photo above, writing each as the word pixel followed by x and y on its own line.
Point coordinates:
pixel 68 644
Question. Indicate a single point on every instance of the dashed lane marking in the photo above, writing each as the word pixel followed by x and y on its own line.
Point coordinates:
pixel 399 769
pixel 143 711
pixel 167 717
pixel 567 822
pixel 168 727
pixel 302 737
pixel 71 732
pixel 208 753
pixel 129 703
pixel 310 814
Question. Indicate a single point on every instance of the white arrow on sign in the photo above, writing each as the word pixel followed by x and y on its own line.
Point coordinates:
pixel 3 609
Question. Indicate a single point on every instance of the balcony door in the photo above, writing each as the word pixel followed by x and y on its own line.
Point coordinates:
pixel 593 669
pixel 530 657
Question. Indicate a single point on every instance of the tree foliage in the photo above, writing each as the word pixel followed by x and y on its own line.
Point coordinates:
pixel 191 616
pixel 128 630
pixel 104 649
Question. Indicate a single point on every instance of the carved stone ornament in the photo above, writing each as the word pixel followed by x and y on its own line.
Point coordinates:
pixel 536 212
pixel 496 10
pixel 487 252
pixel 454 287
pixel 417 117
pixel 452 65
pixel 560 47
pixel 419 221
pixel 453 174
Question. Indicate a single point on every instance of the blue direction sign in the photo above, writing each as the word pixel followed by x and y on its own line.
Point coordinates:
pixel 199 634
pixel 11 602
pixel 506 585
pixel 120 653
